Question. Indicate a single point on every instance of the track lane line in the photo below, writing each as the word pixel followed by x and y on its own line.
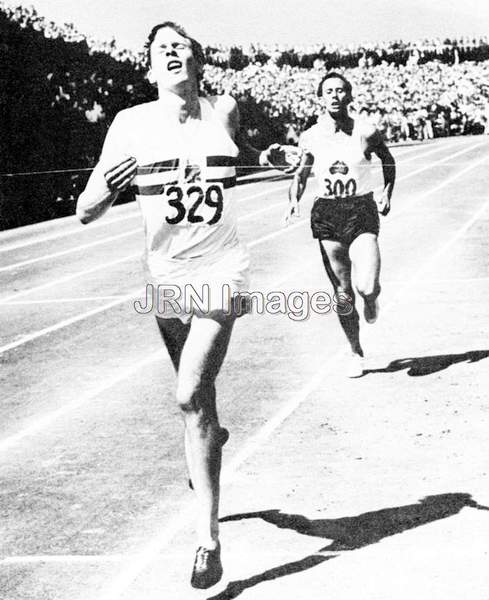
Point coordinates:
pixel 423 155
pixel 141 560
pixel 230 470
pixel 440 186
pixel 108 239
pixel 134 213
pixel 7 442
pixel 128 257
pixel 67 232
pixel 98 243
pixel 90 313
pixel 70 321
pixel 47 419
pixel 122 375
pixel 29 559
pixel 63 300
pixel 60 325
pixel 442 161
pixel 71 276
pixel 104 240
pixel 78 248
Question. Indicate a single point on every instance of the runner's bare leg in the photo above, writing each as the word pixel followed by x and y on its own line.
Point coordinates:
pixel 365 258
pixel 337 263
pixel 201 359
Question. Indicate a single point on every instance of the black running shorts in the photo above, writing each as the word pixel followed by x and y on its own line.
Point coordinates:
pixel 344 219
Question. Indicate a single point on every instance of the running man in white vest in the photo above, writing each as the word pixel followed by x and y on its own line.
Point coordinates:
pixel 344 217
pixel 179 155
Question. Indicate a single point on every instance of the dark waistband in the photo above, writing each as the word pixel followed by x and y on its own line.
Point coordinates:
pixel 348 199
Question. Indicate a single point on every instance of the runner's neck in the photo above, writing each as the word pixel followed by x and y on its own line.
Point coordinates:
pixel 183 104
pixel 338 123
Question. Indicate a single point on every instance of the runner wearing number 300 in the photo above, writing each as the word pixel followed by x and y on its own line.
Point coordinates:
pixel 179 155
pixel 344 216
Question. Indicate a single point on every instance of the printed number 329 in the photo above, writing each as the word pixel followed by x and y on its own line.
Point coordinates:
pixel 187 202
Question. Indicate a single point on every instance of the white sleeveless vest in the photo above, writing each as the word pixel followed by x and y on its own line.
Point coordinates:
pixel 340 166
pixel 184 186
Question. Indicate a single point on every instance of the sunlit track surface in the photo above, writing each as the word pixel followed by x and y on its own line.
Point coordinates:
pixel 93 497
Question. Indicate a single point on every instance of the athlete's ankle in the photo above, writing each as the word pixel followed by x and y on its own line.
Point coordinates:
pixel 357 350
pixel 208 542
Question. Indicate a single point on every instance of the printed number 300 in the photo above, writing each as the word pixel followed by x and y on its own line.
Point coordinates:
pixel 212 197
pixel 338 188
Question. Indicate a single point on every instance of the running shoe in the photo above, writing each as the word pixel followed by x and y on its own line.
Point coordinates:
pixel 207 569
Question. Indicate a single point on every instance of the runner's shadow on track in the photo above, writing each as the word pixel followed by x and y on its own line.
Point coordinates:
pixel 347 533
pixel 427 365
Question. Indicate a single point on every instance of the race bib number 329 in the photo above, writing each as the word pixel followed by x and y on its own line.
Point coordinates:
pixel 194 203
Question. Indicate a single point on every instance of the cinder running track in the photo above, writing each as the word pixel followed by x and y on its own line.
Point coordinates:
pixel 368 489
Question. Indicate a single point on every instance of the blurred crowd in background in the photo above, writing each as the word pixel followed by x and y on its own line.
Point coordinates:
pixel 60 89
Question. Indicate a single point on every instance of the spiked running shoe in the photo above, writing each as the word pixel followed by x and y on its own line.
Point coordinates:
pixel 207 569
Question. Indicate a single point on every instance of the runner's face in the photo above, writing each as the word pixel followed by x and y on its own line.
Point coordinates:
pixel 172 61
pixel 335 95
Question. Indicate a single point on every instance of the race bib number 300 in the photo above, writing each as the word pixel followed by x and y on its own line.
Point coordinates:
pixel 195 203
pixel 338 188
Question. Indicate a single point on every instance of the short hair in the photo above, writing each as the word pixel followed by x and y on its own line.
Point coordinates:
pixel 334 75
pixel 197 50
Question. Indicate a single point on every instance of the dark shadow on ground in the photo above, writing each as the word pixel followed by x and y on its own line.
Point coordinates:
pixel 235 588
pixel 348 533
pixel 427 365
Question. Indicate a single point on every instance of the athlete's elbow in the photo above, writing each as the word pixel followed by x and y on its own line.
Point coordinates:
pixel 84 219
pixel 84 215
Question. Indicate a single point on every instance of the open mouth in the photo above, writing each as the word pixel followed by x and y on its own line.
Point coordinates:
pixel 174 65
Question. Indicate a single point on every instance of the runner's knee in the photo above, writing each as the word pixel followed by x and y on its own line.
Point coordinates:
pixel 192 395
pixel 344 292
pixel 368 289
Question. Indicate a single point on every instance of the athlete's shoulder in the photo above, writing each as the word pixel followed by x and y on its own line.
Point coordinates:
pixel 311 130
pixel 223 103
pixel 144 108
pixel 136 113
pixel 306 138
pixel 226 109
pixel 366 128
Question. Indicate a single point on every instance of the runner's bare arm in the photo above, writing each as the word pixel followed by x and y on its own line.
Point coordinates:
pixel 298 186
pixel 112 175
pixel 377 146
pixel 282 156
